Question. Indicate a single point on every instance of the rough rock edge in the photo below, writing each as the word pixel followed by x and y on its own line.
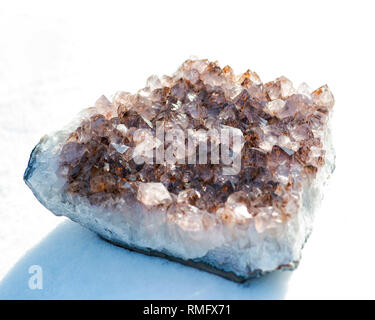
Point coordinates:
pixel 201 264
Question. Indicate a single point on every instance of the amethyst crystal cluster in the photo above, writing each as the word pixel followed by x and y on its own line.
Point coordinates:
pixel 237 221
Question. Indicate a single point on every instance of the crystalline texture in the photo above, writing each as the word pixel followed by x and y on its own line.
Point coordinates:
pixel 236 224
pixel 153 193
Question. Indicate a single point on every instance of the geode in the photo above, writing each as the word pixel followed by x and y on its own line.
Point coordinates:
pixel 153 171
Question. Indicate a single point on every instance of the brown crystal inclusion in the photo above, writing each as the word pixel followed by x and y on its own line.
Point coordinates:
pixel 282 144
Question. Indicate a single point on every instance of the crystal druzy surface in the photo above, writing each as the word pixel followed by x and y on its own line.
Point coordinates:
pixel 241 223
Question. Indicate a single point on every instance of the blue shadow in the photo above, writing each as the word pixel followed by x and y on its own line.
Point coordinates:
pixel 77 264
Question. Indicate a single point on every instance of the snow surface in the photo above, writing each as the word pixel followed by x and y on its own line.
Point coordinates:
pixel 78 264
pixel 56 59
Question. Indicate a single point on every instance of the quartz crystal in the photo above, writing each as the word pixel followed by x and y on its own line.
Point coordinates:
pixel 108 169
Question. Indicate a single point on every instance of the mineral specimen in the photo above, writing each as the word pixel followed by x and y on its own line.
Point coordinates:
pixel 211 169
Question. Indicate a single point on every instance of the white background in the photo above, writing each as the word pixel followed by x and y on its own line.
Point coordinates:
pixel 59 57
